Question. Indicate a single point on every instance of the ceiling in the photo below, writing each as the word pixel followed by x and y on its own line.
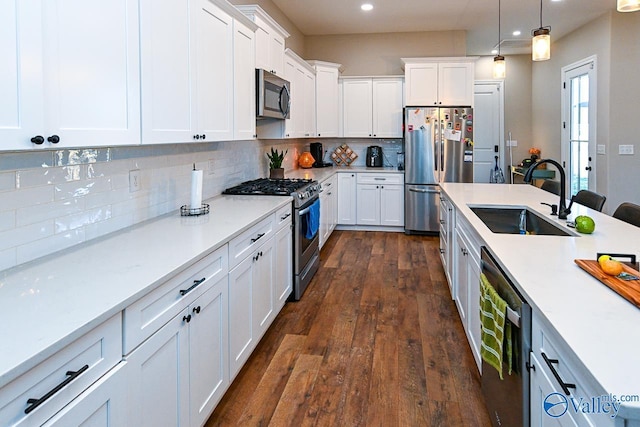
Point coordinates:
pixel 479 18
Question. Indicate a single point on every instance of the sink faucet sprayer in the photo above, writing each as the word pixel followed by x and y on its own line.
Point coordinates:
pixel 563 211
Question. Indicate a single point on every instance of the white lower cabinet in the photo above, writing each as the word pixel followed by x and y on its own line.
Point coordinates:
pixel 447 225
pixel 380 199
pixel 328 208
pixel 346 210
pixel 179 374
pixel 104 404
pixel 283 278
pixel 251 303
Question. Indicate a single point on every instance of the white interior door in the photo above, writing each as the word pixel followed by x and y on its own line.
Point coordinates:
pixel 488 119
pixel 579 125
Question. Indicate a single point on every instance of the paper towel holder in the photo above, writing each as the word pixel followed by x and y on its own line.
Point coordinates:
pixel 186 210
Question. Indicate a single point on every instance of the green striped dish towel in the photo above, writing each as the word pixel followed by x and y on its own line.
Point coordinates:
pixel 496 330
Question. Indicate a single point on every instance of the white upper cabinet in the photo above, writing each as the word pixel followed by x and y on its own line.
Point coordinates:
pixel 327 98
pixel 302 78
pixel 67 80
pixel 244 113
pixel 197 73
pixel 372 107
pixel 439 81
pixel 270 39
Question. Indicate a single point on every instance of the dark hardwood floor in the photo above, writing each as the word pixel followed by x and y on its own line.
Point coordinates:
pixel 375 341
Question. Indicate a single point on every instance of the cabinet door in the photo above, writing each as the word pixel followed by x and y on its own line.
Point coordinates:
pixel 461 287
pixel 167 53
pixel 387 108
pixel 324 219
pixel 346 198
pixel 244 113
pixel 214 57
pixel 262 45
pixel 357 108
pixel 104 404
pixel 473 307
pixel 208 356
pixel 368 204
pixel 21 114
pixel 309 104
pixel 276 53
pixel 158 377
pixel 455 83
pixel 421 84
pixel 283 266
pixel 295 76
pixel 327 101
pixel 241 331
pixel 263 294
pixel 392 205
pixel 92 72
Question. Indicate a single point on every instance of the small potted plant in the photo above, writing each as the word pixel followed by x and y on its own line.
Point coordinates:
pixel 276 171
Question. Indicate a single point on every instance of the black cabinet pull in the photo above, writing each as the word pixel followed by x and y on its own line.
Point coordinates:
pixel 186 318
pixel 72 375
pixel 37 140
pixel 282 218
pixel 54 139
pixel 196 310
pixel 192 287
pixel 565 386
pixel 257 238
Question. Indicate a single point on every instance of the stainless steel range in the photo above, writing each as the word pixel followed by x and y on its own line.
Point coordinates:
pixel 305 193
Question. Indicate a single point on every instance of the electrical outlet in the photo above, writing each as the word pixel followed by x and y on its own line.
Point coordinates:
pixel 211 165
pixel 134 181
pixel 625 149
pixel 601 149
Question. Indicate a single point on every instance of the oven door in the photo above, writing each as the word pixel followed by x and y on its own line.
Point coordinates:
pixel 307 233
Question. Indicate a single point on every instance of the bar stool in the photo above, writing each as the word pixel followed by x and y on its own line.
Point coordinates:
pixel 589 199
pixel 551 186
pixel 628 212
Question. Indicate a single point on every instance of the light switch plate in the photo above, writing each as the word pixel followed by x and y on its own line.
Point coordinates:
pixel 512 143
pixel 625 149
pixel 134 181
pixel 601 149
pixel 211 166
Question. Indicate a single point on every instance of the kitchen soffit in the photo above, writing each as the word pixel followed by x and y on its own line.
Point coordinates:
pixel 477 17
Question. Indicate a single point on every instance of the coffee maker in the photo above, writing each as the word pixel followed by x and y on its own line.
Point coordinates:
pixel 374 156
pixel 318 155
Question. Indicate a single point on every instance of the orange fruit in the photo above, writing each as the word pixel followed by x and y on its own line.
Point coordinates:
pixel 611 267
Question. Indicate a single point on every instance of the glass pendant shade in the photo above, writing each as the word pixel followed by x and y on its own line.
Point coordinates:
pixel 541 45
pixel 628 5
pixel 499 67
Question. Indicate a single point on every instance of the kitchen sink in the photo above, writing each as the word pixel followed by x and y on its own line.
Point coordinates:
pixel 506 220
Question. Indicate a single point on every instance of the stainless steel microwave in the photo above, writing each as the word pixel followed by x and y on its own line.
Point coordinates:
pixel 273 96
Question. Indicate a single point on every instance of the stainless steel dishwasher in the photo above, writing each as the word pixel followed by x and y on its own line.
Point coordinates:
pixel 508 399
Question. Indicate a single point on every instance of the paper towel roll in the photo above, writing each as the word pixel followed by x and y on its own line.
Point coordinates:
pixel 196 189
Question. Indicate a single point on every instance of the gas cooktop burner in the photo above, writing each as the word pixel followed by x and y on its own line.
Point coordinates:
pixel 269 187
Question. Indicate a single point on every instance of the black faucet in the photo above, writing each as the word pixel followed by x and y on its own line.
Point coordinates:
pixel 563 211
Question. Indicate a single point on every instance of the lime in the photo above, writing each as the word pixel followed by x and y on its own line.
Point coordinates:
pixel 585 224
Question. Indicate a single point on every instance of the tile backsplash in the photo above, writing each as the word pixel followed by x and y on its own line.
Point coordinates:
pixel 53 200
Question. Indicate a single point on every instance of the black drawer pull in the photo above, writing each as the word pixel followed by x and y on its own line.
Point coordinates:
pixel 186 318
pixel 565 386
pixel 192 287
pixel 257 238
pixel 196 310
pixel 282 218
pixel 72 375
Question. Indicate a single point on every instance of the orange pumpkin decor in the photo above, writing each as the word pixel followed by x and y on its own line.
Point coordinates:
pixel 306 160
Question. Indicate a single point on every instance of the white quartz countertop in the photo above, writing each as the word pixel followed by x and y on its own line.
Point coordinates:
pixel 48 303
pixel 320 174
pixel 600 326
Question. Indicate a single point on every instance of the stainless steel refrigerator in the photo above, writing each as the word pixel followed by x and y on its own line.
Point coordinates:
pixel 438 148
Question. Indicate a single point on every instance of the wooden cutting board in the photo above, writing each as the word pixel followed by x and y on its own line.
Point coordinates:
pixel 628 289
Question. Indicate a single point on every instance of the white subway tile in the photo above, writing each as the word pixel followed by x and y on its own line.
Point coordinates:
pixel 7 181
pixel 30 197
pixel 8 258
pixel 71 222
pixel 81 188
pixel 29 233
pixel 31 215
pixel 106 198
pixel 98 229
pixel 48 245
pixel 7 220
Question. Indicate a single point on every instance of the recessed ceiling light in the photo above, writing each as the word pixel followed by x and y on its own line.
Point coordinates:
pixel 366 7
pixel 494 52
pixel 517 33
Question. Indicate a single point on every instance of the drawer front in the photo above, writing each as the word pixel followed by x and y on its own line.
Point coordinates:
pixel 283 216
pixel 62 377
pixel 151 312
pixel 245 243
pixel 380 178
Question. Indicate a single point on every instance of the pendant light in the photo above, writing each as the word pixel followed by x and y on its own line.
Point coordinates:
pixel 499 65
pixel 541 42
pixel 628 5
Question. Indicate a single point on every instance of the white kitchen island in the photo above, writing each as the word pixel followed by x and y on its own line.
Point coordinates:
pixel 594 328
